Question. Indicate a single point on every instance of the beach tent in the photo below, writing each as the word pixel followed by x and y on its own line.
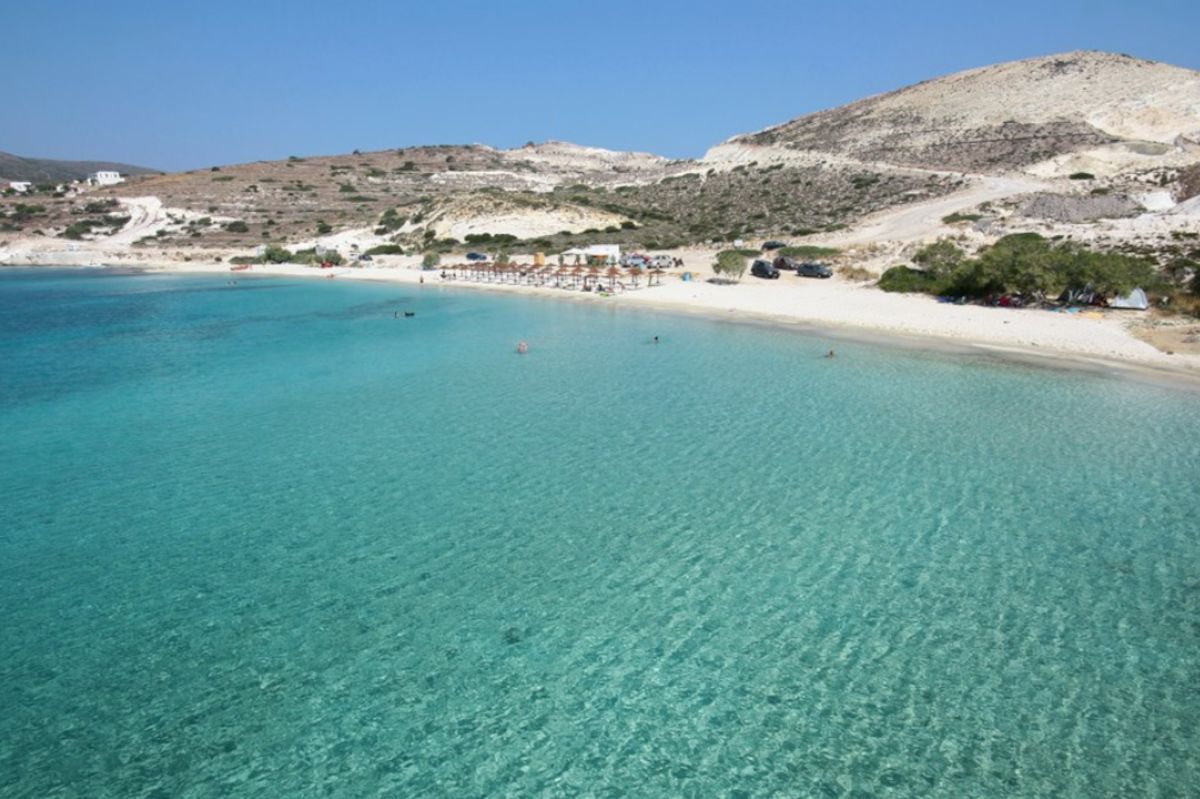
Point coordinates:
pixel 1134 300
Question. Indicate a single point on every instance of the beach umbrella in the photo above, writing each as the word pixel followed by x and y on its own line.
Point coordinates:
pixel 634 274
pixel 656 274
pixel 613 273
pixel 593 273
pixel 576 273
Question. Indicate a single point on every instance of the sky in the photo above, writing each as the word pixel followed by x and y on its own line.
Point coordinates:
pixel 187 85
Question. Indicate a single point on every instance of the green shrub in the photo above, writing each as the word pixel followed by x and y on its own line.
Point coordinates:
pixel 222 178
pixel 237 226
pixel 906 280
pixel 391 221
pixel 276 255
pixel 1082 176
pixel 730 264
pixel 385 249
pixel 347 188
pixel 430 260
pixel 810 251
pixel 323 228
pixel 957 217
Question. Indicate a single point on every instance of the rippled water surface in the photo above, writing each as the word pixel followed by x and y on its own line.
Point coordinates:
pixel 277 539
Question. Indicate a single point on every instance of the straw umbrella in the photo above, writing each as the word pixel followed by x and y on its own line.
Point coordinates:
pixel 613 273
pixel 593 274
pixel 656 274
pixel 576 273
pixel 634 274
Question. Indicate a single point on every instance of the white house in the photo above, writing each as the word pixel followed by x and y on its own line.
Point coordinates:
pixel 20 186
pixel 104 178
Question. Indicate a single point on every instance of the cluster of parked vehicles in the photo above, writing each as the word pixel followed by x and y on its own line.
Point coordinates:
pixel 633 259
pixel 771 270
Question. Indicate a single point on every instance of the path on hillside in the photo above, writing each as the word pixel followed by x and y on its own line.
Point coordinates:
pixel 924 219
pixel 146 215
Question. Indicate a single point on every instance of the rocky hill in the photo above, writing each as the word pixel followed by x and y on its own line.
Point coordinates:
pixel 1096 135
pixel 1009 116
pixel 46 170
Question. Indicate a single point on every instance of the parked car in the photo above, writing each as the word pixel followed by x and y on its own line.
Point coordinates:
pixel 813 269
pixel 635 259
pixel 662 262
pixel 476 256
pixel 774 245
pixel 764 269
pixel 365 257
pixel 805 269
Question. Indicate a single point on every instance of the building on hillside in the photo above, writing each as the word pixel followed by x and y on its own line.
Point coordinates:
pixel 104 178
pixel 20 186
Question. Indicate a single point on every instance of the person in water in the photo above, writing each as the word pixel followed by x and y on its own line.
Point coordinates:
pixel 656 339
pixel 831 354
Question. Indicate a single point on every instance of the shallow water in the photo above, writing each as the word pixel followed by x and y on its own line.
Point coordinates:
pixel 268 539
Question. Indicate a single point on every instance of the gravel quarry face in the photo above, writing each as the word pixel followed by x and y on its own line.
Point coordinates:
pixel 1078 208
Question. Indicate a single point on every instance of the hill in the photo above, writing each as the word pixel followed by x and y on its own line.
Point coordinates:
pixel 1007 116
pixel 1099 135
pixel 46 170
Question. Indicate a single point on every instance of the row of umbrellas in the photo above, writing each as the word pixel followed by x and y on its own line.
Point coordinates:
pixel 566 277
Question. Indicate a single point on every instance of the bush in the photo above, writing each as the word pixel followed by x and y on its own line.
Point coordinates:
pixel 906 280
pixel 347 188
pixel 391 221
pixel 730 264
pixel 276 255
pixel 385 249
pixel 323 228
pixel 1023 262
pixel 957 217
pixel 940 259
pixel 499 239
pixel 237 226
pixel 1082 176
pixel 431 260
pixel 810 251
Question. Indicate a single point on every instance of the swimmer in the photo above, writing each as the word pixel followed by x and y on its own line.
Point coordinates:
pixel 656 339
pixel 831 354
pixel 522 348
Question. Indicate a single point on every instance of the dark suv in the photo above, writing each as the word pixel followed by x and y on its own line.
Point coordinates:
pixel 806 269
pixel 761 268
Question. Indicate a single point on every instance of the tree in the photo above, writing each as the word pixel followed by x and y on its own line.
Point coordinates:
pixel 730 264
pixel 431 260
pixel 939 259
pixel 502 257
pixel 275 254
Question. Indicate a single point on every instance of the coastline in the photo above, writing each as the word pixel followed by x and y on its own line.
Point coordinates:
pixel 828 308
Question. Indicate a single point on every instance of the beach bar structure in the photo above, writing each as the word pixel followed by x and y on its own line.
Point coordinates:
pixel 608 254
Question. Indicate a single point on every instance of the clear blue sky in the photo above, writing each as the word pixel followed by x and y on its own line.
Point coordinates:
pixel 183 85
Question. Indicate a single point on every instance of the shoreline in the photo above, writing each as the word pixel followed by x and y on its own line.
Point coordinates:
pixel 1179 371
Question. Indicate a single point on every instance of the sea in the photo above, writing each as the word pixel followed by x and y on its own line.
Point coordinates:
pixel 284 537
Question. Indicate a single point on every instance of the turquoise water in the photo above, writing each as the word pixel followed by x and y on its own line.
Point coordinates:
pixel 267 539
